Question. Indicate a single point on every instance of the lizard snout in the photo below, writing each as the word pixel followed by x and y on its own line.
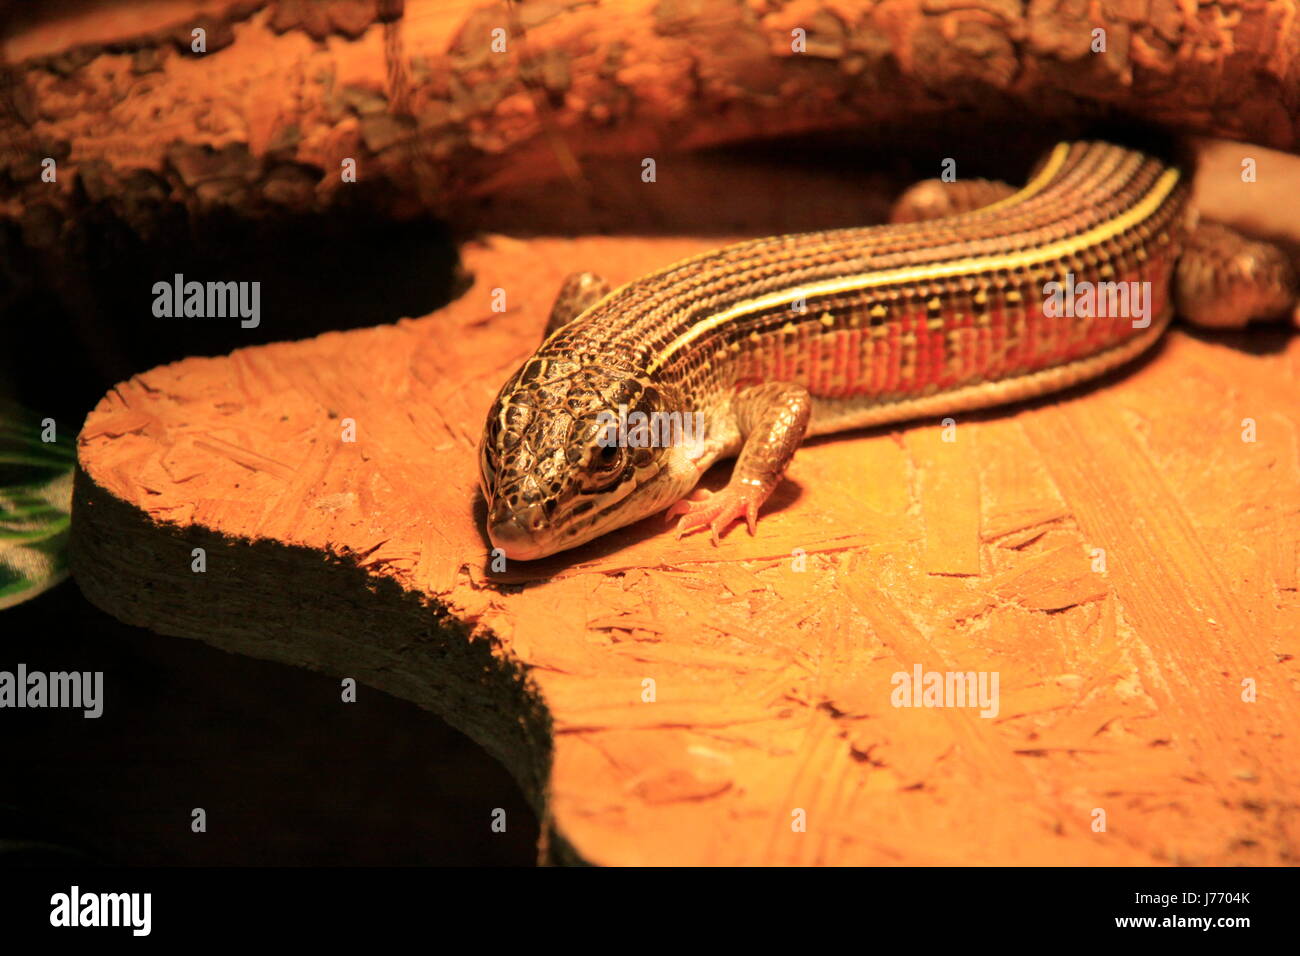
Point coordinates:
pixel 516 532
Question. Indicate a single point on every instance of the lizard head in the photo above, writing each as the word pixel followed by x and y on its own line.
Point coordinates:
pixel 572 451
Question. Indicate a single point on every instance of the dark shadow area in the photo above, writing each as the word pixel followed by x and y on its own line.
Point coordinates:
pixel 78 316
pixel 1256 339
pixel 804 183
pixel 287 773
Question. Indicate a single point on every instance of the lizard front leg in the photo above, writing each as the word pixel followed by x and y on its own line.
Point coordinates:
pixel 772 419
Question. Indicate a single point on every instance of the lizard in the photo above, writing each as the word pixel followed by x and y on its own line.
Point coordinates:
pixel 952 306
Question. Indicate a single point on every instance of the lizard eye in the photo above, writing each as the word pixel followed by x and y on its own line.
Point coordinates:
pixel 608 458
pixel 606 465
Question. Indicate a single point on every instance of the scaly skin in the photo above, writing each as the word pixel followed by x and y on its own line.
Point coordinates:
pixel 776 338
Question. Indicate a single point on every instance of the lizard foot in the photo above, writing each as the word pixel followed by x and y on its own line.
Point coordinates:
pixel 717 511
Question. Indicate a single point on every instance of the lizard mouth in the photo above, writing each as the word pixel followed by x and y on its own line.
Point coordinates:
pixel 521 537
pixel 527 537
pixel 516 542
pixel 528 532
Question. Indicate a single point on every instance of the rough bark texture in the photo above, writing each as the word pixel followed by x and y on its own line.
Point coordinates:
pixel 416 94
pixel 772 657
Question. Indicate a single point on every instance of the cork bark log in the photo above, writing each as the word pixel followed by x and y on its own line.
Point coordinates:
pixel 432 114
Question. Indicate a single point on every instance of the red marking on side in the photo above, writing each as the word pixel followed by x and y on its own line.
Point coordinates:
pixel 839 383
pixel 938 372
pixel 777 356
pixel 816 380
pixel 853 342
pixel 920 354
pixel 894 359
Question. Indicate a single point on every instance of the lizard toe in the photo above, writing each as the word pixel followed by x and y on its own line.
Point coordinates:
pixel 718 511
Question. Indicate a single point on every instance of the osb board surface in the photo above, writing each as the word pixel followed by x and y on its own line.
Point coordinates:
pixel 1120 690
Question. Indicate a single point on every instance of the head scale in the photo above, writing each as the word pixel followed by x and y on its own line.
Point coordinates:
pixel 555 468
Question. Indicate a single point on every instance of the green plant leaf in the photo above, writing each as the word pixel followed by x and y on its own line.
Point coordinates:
pixel 35 505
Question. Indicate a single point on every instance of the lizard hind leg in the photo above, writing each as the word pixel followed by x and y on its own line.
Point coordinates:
pixel 772 419
pixel 1224 280
pixel 935 199
pixel 578 292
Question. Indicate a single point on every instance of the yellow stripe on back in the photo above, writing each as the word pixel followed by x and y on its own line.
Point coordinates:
pixel 1055 161
pixel 1143 209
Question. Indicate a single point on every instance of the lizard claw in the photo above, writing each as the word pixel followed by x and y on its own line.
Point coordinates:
pixel 718 511
pixel 685 505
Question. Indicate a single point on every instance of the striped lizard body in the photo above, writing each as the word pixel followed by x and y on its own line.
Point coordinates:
pixel 760 343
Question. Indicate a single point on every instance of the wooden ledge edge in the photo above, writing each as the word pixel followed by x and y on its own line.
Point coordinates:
pixel 334 618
